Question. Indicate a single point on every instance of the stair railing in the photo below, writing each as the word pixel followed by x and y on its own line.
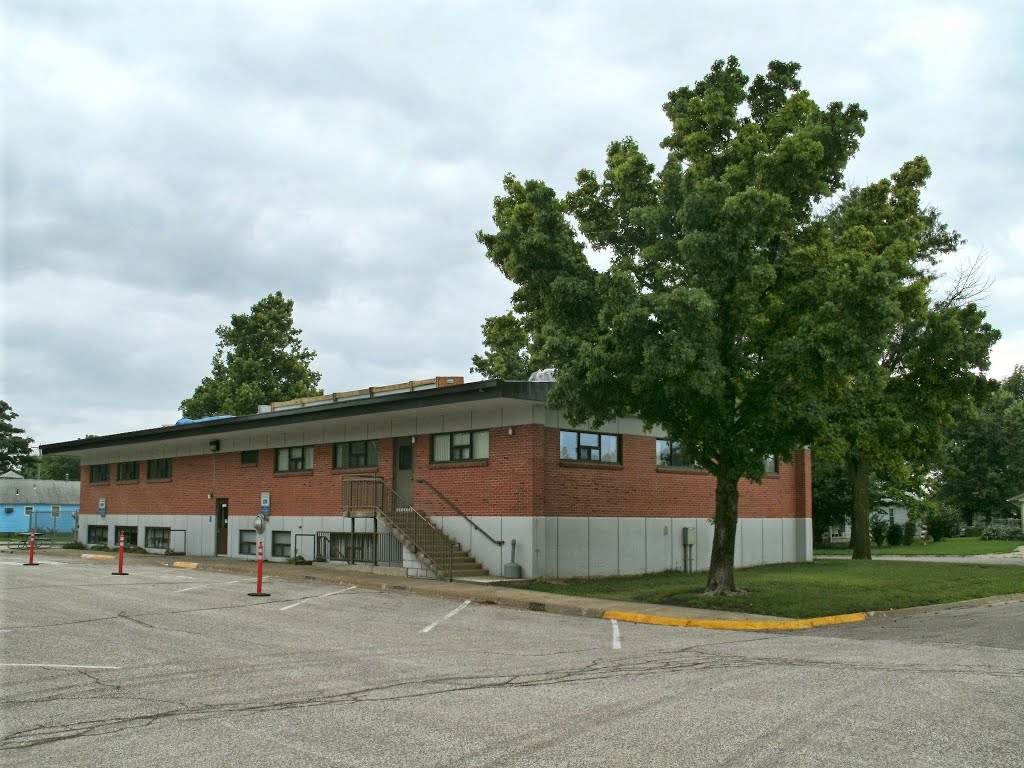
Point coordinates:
pixel 460 513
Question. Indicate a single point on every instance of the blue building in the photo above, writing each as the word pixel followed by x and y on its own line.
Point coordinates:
pixel 46 505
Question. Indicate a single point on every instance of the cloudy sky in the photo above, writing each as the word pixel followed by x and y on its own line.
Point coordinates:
pixel 167 164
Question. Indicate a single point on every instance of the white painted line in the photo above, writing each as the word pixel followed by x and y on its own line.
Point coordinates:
pixel 616 643
pixel 58 666
pixel 314 597
pixel 215 584
pixel 5 630
pixel 445 617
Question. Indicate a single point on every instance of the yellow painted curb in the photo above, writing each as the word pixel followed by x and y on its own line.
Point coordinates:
pixel 184 564
pixel 97 557
pixel 743 626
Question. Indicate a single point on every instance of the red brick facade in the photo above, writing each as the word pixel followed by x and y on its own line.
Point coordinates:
pixel 523 476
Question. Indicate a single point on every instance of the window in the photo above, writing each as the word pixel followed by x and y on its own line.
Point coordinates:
pixel 131 535
pixel 671 453
pixel 247 542
pixel 97 534
pixel 590 446
pixel 99 473
pixel 360 453
pixel 158 538
pixel 294 459
pixel 771 464
pixel 281 544
pixel 128 470
pixel 9 510
pixel 159 469
pixel 250 457
pixel 461 446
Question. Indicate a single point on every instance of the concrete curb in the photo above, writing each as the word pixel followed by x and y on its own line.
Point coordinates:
pixel 741 626
pixel 184 564
pixel 97 557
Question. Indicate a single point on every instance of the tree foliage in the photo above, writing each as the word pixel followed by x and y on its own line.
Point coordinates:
pixel 15 448
pixel 506 354
pixel 892 415
pixel 259 359
pixel 728 311
pixel 982 463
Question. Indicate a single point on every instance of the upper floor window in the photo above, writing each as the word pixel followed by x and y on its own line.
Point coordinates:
pixel 461 446
pixel 250 457
pixel 590 446
pixel 295 459
pixel 99 473
pixel 158 469
pixel 358 453
pixel 128 470
pixel 671 453
pixel 771 464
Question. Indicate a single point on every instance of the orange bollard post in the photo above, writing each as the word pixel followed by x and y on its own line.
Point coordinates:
pixel 120 556
pixel 31 548
pixel 259 572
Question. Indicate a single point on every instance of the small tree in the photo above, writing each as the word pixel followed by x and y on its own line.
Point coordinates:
pixel 15 448
pixel 879 528
pixel 259 359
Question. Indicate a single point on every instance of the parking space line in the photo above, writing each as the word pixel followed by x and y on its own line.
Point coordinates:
pixel 445 617
pixel 314 597
pixel 58 666
pixel 616 642
pixel 214 584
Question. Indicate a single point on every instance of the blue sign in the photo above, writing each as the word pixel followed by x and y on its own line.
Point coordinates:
pixel 265 510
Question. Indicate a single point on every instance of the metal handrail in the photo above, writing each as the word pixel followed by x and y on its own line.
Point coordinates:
pixel 459 512
pixel 372 494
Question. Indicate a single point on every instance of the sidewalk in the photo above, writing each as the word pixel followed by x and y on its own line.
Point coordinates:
pixel 475 590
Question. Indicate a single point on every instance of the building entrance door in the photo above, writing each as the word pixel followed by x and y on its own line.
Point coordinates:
pixel 222 526
pixel 403 469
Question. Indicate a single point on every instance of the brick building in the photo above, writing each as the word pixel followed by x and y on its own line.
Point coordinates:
pixel 390 475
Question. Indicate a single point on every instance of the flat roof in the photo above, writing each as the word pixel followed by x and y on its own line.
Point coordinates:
pixel 489 389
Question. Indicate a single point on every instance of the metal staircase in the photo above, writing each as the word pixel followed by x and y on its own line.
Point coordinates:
pixel 431 546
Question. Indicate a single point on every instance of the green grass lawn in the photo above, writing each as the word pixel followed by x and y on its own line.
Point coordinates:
pixel 805 590
pixel 968 545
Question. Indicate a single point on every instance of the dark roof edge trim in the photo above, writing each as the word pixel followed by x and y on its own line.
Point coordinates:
pixel 489 389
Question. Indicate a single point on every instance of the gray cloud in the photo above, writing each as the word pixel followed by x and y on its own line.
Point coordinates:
pixel 168 164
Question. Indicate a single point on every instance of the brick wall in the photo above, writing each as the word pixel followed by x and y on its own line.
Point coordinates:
pixel 523 476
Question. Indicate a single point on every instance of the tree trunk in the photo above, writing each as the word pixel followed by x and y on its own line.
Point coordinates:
pixel 721 579
pixel 860 529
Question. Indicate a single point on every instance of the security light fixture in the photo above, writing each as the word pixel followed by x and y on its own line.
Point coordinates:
pixel 214 446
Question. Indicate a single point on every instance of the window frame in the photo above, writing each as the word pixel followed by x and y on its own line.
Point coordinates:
pixel 278 548
pixel 771 464
pixel 253 454
pixel 343 454
pixel 305 455
pixel 129 541
pixel 165 540
pixel 590 448
pixel 158 464
pixel 461 452
pixel 244 542
pixel 123 475
pixel 97 476
pixel 686 460
pixel 89 539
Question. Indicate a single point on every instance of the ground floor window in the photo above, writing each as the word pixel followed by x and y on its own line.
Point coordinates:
pixel 97 534
pixel 158 538
pixel 247 542
pixel 281 544
pixel 131 535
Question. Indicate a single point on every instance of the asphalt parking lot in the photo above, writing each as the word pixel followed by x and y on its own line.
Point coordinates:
pixel 175 668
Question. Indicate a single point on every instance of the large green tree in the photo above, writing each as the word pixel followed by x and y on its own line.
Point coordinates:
pixel 982 462
pixel 15 448
pixel 728 313
pixel 892 415
pixel 259 359
pixel 506 349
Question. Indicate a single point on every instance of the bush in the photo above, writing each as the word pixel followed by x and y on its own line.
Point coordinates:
pixel 1003 532
pixel 909 533
pixel 73 545
pixel 299 560
pixel 100 548
pixel 878 527
pixel 942 524
pixel 894 535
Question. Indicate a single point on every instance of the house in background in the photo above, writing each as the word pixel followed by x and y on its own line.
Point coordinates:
pixel 46 505
pixel 438 477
